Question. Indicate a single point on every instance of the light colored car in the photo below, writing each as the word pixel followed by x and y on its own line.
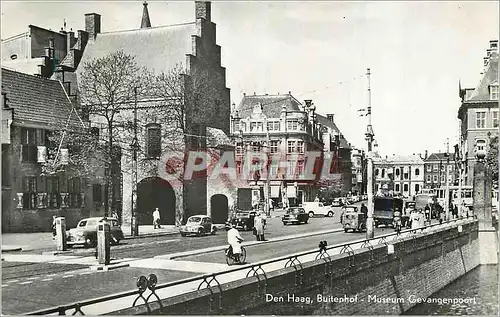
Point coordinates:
pixel 318 208
pixel 85 232
pixel 198 225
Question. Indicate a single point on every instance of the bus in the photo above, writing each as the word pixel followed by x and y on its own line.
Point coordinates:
pixel 453 194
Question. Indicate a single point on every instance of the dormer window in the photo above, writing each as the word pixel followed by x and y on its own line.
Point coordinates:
pixel 494 92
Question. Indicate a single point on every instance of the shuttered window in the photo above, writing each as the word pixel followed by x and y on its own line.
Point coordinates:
pixel 153 140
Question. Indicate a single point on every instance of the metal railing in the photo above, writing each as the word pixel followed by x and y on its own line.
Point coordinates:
pixel 210 281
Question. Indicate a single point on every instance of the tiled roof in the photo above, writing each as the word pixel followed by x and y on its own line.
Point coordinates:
pixel 37 100
pixel 490 76
pixel 438 157
pixel 271 105
pixel 326 122
pixel 158 49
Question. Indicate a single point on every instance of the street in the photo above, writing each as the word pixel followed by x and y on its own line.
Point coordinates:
pixel 39 281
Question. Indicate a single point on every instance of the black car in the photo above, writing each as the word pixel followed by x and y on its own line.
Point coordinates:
pixel 243 220
pixel 295 215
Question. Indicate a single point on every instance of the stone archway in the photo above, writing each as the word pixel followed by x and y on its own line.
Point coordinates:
pixel 152 193
pixel 219 208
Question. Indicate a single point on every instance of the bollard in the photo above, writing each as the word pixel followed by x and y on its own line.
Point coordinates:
pixel 61 242
pixel 103 249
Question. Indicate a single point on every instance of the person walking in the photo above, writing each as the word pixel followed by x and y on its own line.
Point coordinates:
pixel 54 232
pixel 364 210
pixel 259 227
pixel 415 220
pixel 156 219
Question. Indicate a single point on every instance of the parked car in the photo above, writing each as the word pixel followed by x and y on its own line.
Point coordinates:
pixel 243 220
pixel 85 232
pixel 295 215
pixel 337 202
pixel 198 225
pixel 355 198
pixel 317 208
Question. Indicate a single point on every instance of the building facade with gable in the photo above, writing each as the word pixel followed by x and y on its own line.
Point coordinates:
pixel 192 47
pixel 33 107
pixel 401 174
pixel 435 170
pixel 478 113
pixel 286 129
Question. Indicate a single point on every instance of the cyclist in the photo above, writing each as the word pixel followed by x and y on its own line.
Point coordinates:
pixel 234 239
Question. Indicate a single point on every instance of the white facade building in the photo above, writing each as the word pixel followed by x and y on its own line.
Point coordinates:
pixel 402 174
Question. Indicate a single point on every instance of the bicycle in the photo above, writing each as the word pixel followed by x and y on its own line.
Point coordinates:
pixel 231 259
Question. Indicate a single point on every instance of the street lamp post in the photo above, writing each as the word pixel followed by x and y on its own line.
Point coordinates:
pixel 447 192
pixel 369 138
pixel 134 226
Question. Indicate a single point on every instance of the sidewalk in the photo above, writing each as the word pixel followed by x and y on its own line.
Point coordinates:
pixel 149 231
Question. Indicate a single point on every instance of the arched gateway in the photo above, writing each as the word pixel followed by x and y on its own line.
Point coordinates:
pixel 219 208
pixel 154 193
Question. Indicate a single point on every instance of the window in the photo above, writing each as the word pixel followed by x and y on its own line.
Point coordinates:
pixel 260 126
pixel 239 149
pixel 397 172
pixel 417 188
pixel 300 146
pixel 52 187
pixel 480 145
pixel 153 140
pixel 480 119
pixel 292 125
pixel 405 187
pixel 273 125
pixel 405 176
pixel 300 167
pixel 30 139
pixel 436 167
pixel 435 179
pixel 253 126
pixel 429 168
pixel 450 168
pixel 97 194
pixel 396 187
pixel 442 179
pixel 236 126
pixel 74 190
pixel 256 147
pixel 494 119
pixel 274 147
pixel 417 172
pixel 376 172
pixel 243 126
pixel 494 92
pixel 290 147
pixel 428 178
pixel 29 192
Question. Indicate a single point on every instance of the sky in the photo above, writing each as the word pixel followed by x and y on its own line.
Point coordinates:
pixel 417 53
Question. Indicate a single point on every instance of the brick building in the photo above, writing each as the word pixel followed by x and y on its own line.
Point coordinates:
pixel 402 174
pixel 161 49
pixel 478 113
pixel 287 129
pixel 32 107
pixel 435 170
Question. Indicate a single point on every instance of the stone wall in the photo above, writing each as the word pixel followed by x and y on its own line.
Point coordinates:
pixel 375 282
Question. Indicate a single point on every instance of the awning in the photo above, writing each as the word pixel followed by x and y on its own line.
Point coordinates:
pixel 275 191
pixel 291 192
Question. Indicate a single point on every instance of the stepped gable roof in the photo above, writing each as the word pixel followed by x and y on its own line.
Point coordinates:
pixel 326 122
pixel 159 49
pixel 37 100
pixel 490 76
pixel 271 105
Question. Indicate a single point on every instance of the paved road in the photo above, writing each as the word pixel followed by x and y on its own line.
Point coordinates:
pixel 32 286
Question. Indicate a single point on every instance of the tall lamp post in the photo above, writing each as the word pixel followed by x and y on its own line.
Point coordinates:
pixel 134 226
pixel 369 136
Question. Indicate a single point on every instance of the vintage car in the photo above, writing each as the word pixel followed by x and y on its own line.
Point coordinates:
pixel 85 232
pixel 295 215
pixel 242 220
pixel 198 225
pixel 352 219
pixel 317 208
pixel 337 202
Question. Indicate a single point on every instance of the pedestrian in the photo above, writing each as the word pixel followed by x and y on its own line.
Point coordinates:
pixel 364 210
pixel 464 210
pixel 421 219
pixel 54 232
pixel 259 227
pixel 316 200
pixel 271 205
pixel 156 219
pixel 427 210
pixel 414 219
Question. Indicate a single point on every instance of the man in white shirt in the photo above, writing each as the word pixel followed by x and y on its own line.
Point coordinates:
pixel 156 218
pixel 234 239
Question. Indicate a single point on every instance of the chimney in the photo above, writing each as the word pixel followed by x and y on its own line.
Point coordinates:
pixel 425 154
pixel 70 38
pixel 494 45
pixel 329 116
pixel 308 103
pixel 145 22
pixel 203 10
pixel 92 24
pixel 83 38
